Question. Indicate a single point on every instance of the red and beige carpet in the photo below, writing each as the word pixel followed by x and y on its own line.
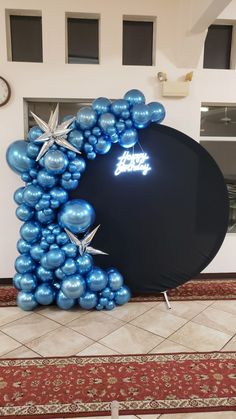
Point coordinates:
pixel 142 384
pixel 198 289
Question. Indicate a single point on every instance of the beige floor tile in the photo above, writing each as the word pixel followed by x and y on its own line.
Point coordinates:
pixel 149 416
pixel 29 327
pixel 205 302
pixel 97 349
pixel 217 319
pixel 130 340
pixel 108 417
pixel 95 325
pixel 159 322
pixel 200 338
pixel 21 352
pixel 130 311
pixel 228 306
pixel 7 344
pixel 169 347
pixel 60 342
pixel 185 309
pixel 10 314
pixel 201 415
pixel 61 316
pixel 231 346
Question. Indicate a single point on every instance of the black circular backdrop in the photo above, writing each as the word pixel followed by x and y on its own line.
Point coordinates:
pixel 162 229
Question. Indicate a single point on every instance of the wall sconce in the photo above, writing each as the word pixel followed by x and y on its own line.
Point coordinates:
pixel 178 88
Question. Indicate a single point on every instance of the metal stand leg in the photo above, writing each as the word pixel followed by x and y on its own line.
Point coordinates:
pixel 114 410
pixel 166 299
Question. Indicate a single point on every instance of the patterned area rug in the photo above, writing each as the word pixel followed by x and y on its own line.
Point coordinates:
pixel 142 384
pixel 198 289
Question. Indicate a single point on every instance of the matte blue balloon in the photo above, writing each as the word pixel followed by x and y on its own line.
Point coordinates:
pixel 24 264
pixel 119 106
pixel 55 162
pixel 36 252
pixel 33 150
pixel 54 259
pixel 102 146
pixel 84 263
pixel 140 115
pixel 76 138
pixel 45 216
pixel 106 120
pixel 134 97
pixel 122 296
pixel 157 112
pixel 86 118
pixel 24 212
pixel 28 282
pixel 32 195
pixel 73 286
pixel 16 281
pixel 76 215
pixel 69 185
pixel 97 279
pixel 45 179
pixel 30 231
pixel 62 239
pixel 23 246
pixel 80 164
pixel 34 133
pixel 26 301
pixel 70 250
pixel 101 105
pixel 88 301
pixel 18 195
pixel 128 138
pixel 44 274
pixel 64 302
pixel 44 294
pixel 69 267
pixel 17 158
pixel 115 279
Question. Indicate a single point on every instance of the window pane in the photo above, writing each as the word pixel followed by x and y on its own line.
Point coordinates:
pixel 83 41
pixel 218 121
pixel 26 38
pixel 218 47
pixel 137 43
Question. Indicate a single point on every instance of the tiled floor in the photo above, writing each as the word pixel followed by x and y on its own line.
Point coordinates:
pixel 134 328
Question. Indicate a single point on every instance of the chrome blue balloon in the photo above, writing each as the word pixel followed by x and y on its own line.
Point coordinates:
pixel 70 250
pixel 33 150
pixel 157 112
pixel 76 215
pixel 122 296
pixel 69 267
pixel 86 118
pixel 84 263
pixel 115 279
pixel 26 301
pixel 103 301
pixel 18 195
pixel 45 216
pixel 101 105
pixel 140 115
pixel 106 292
pixel 28 282
pixel 44 274
pixel 34 133
pixel 53 259
pixel 24 264
pixel 32 194
pixel 62 239
pixel 31 231
pixel 76 138
pixel 97 279
pixel 64 302
pixel 73 286
pixel 119 106
pixel 66 118
pixel 106 120
pixel 44 294
pixel 36 252
pixel 134 97
pixel 46 179
pixel 55 162
pixel 91 156
pixel 59 274
pixel 69 185
pixel 16 281
pixel 97 131
pixel 23 246
pixel 110 305
pixel 79 163
pixel 24 212
pixel 128 138
pixel 17 158
pixel 92 140
pixel 102 146
pixel 88 148
pixel 88 301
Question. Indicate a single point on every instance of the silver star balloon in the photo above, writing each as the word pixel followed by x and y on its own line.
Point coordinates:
pixel 53 133
pixel 83 244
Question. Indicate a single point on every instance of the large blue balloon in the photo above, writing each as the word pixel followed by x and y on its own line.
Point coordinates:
pixel 44 294
pixel 17 158
pixel 76 215
pixel 157 112
pixel 28 282
pixel 30 231
pixel 101 105
pixel 64 302
pixel 24 212
pixel 55 162
pixel 115 279
pixel 24 264
pixel 122 296
pixel 88 300
pixel 97 279
pixel 86 118
pixel 26 301
pixel 119 106
pixel 140 115
pixel 73 286
pixel 32 195
pixel 46 179
pixel 134 97
pixel 76 138
pixel 128 138
pixel 84 263
pixel 53 259
pixel 106 121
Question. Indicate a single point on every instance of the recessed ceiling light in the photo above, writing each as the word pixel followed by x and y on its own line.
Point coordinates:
pixel 204 109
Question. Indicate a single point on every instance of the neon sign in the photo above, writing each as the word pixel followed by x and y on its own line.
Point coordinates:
pixel 132 162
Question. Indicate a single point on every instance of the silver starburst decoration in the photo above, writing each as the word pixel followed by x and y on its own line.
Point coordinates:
pixel 83 244
pixel 53 133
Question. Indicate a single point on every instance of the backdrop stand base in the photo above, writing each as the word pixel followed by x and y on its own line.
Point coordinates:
pixel 166 299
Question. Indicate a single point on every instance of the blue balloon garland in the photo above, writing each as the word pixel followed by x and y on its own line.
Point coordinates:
pixel 51 268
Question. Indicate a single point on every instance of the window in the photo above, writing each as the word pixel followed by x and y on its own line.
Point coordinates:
pixel 137 42
pixel 218 47
pixel 82 41
pixel 26 38
pixel 218 121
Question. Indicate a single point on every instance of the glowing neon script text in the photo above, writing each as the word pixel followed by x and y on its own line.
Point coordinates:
pixel 132 163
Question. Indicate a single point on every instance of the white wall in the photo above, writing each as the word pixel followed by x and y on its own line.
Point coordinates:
pixel 53 78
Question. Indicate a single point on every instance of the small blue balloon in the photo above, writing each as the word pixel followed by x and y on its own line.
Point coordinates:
pixel 115 279
pixel 44 294
pixel 97 131
pixel 88 148
pixel 28 282
pixel 44 274
pixel 62 239
pixel 92 140
pixel 99 307
pixel 45 179
pixel 122 296
pixel 18 195
pixel 26 301
pixel 76 215
pixel 34 133
pixel 103 301
pixel 91 156
pixel 16 281
pixel 86 118
pixel 31 231
pixel 55 162
pixel 157 112
pixel 24 264
pixel 69 267
pixel 69 185
pixel 33 150
pixel 17 158
pixel 97 279
pixel 59 274
pixel 64 302
pixel 53 259
pixel 32 194
pixel 134 97
pixel 140 115
pixel 101 105
pixel 106 292
pixel 23 246
pixel 119 106
pixel 88 301
pixel 76 138
pixel 80 164
pixel 84 263
pixel 128 138
pixel 45 216
pixel 73 286
pixel 106 121
pixel 36 252
pixel 24 212
pixel 110 305
pixel 102 146
pixel 70 250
